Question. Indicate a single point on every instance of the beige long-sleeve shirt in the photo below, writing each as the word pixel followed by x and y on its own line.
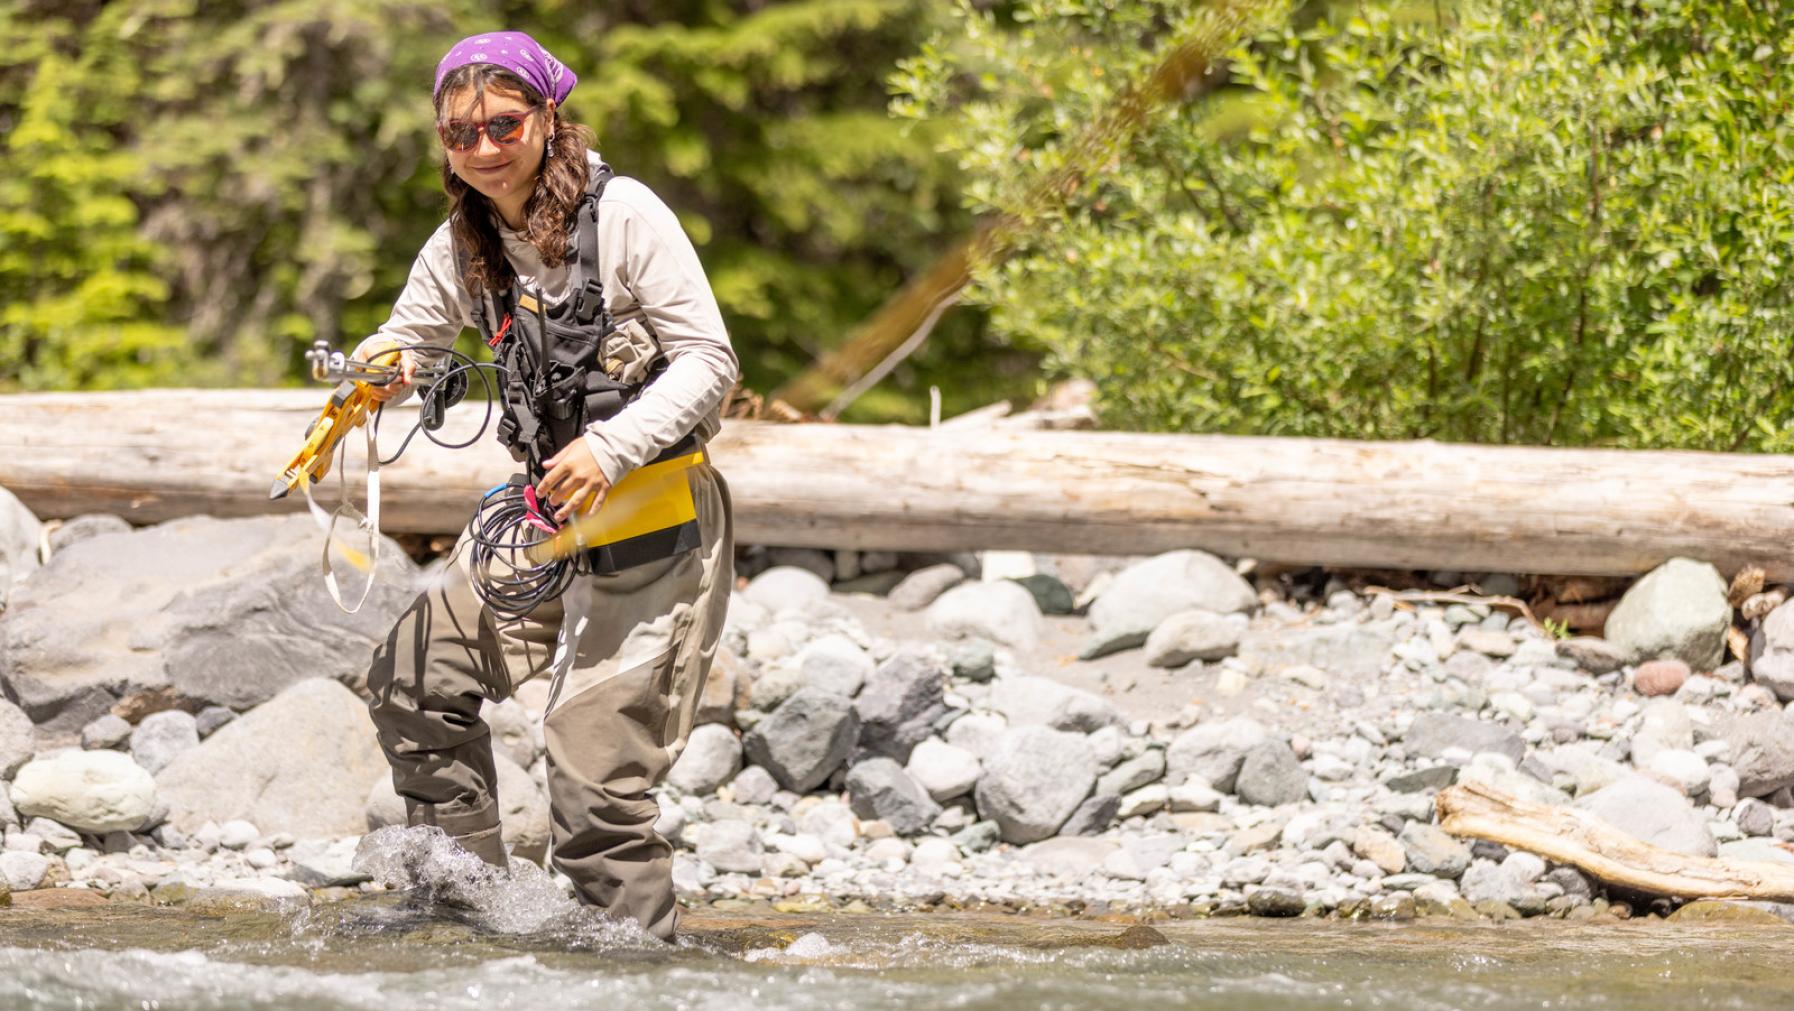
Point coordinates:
pixel 650 273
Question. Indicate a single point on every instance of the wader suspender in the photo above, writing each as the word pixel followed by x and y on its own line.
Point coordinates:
pixel 557 385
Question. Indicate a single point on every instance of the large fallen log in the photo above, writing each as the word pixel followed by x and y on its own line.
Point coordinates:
pixel 154 455
pixel 1577 838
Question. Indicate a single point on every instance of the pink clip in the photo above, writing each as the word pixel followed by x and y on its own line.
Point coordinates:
pixel 535 517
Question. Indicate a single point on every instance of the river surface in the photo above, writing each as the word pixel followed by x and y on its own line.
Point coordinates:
pixel 389 953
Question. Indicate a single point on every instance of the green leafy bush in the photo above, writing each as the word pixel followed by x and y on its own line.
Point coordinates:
pixel 1549 222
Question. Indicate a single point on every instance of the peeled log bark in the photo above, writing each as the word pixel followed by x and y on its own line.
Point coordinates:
pixel 154 455
pixel 1567 836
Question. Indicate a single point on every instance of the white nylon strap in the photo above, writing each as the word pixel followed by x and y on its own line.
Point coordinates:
pixel 370 522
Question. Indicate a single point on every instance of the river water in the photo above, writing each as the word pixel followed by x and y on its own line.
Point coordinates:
pixel 456 937
pixel 386 955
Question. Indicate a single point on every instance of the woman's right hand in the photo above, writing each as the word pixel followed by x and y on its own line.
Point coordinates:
pixel 382 354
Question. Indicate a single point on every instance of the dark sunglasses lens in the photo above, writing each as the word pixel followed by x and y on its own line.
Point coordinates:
pixel 459 135
pixel 504 129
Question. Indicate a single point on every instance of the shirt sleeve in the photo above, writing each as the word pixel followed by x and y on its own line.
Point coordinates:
pixel 655 261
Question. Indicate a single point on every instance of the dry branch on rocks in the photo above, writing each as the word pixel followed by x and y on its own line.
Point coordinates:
pixel 1583 841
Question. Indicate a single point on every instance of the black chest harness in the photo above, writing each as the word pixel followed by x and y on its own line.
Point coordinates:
pixel 563 368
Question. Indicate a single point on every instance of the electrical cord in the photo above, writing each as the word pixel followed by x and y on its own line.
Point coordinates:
pixel 507 524
pixel 509 520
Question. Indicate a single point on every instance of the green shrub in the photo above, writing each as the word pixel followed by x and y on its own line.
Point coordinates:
pixel 1549 222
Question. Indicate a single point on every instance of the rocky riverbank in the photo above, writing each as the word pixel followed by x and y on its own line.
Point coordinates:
pixel 1177 735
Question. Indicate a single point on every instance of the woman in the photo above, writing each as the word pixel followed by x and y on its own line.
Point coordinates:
pixel 628 650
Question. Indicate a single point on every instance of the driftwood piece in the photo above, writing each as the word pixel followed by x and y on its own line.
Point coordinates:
pixel 158 454
pixel 1577 838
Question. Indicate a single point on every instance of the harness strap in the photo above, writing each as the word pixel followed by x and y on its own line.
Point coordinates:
pixel 588 296
pixel 370 522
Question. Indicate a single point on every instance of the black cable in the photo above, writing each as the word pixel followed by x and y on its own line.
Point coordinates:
pixel 503 531
pixel 505 526
pixel 443 385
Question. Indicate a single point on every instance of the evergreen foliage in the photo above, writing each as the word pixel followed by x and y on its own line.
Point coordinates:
pixel 192 192
pixel 1552 221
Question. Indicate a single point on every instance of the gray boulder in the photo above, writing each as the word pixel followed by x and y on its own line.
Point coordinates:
pixel 977 733
pixel 711 758
pixel 1678 610
pixel 324 863
pixel 161 737
pixel 921 587
pixel 900 705
pixel 227 612
pixel 1213 751
pixel 1650 811
pixel 943 770
pixel 1146 593
pixel 208 720
pixel 1597 656
pixel 1146 767
pixel 1664 726
pixel 1431 851
pixel 85 526
pixel 20 536
pixel 805 739
pixel 754 785
pixel 1068 856
pixel 1772 653
pixel 1001 611
pixel 21 871
pixel 1775 671
pixel 107 732
pixel 1033 780
pixel 879 788
pixel 834 663
pixel 1431 734
pixel 1093 816
pixel 1762 751
pixel 1270 774
pixel 93 791
pixel 300 763
pixel 1508 882
pixel 1350 651
pixel 785 586
pixel 1037 701
pixel 1050 595
pixel 1194 635
pixel 731 847
pixel 18 739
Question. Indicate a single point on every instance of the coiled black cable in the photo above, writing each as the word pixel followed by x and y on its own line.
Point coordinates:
pixel 505 528
pixel 509 520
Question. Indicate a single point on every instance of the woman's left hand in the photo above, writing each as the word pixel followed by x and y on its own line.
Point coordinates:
pixel 573 478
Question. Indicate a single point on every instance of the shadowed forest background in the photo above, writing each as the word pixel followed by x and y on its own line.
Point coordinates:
pixel 1559 222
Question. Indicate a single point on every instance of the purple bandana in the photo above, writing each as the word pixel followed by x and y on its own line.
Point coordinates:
pixel 516 52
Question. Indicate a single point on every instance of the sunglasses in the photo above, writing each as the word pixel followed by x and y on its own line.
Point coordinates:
pixel 464 135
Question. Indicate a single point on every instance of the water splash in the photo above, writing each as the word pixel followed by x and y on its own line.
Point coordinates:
pixel 439 876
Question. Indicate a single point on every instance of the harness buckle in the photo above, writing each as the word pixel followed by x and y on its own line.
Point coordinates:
pixel 588 302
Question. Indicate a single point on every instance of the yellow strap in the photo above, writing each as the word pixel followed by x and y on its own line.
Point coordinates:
pixel 650 498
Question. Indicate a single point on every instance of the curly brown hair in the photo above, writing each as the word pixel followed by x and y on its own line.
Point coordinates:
pixel 548 214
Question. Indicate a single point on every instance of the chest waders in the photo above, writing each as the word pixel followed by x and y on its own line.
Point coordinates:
pixel 559 376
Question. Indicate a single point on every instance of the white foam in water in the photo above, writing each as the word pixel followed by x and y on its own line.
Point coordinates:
pixel 807 947
pixel 437 872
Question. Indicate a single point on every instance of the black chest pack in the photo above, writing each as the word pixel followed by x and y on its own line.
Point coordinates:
pixel 563 368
